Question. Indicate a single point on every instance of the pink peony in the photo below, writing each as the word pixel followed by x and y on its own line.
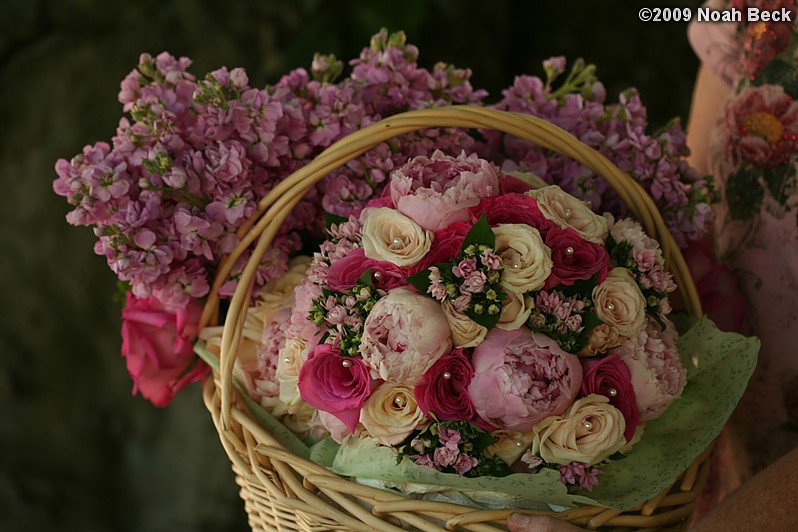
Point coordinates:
pixel 335 384
pixel 444 389
pixel 574 258
pixel 344 272
pixel 436 191
pixel 610 377
pixel 158 344
pixel 657 373
pixel 404 335
pixel 521 378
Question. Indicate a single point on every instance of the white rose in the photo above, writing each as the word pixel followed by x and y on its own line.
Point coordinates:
pixel 390 413
pixel 591 431
pixel 567 211
pixel 289 362
pixel 525 258
pixel 602 338
pixel 279 292
pixel 515 311
pixel 465 331
pixel 390 236
pixel 620 303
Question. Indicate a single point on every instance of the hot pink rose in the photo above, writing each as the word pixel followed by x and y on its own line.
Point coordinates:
pixel 335 384
pixel 521 378
pixel 512 209
pixel 444 390
pixel 574 258
pixel 611 378
pixel 344 272
pixel 437 191
pixel 158 345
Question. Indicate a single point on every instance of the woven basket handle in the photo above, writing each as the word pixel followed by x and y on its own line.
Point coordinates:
pixel 275 207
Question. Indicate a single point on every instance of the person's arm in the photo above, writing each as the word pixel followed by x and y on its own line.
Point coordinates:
pixel 709 96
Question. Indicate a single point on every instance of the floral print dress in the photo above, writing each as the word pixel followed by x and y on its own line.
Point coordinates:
pixel 754 161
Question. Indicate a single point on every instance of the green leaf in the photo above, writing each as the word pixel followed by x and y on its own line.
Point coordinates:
pixel 488 321
pixel 420 280
pixel 333 219
pixel 776 180
pixel 744 194
pixel 589 321
pixel 479 234
pixel 365 279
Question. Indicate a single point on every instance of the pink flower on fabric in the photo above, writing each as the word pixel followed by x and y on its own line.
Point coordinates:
pixel 522 377
pixel 761 124
pixel 437 191
pixel 335 384
pixel 344 272
pixel 158 345
pixel 610 377
pixel 574 258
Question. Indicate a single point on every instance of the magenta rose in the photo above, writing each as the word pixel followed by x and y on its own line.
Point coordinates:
pixel 574 258
pixel 512 209
pixel 521 378
pixel 611 377
pixel 335 384
pixel 444 388
pixel 158 345
pixel 446 246
pixel 344 272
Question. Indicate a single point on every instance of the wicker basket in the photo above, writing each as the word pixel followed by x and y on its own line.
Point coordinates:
pixel 282 491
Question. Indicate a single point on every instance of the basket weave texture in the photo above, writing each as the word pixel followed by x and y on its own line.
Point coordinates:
pixel 282 491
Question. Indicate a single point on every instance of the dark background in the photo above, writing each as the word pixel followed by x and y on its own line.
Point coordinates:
pixel 77 452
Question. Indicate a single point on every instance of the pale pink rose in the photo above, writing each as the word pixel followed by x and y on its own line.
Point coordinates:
pixel 465 331
pixel 158 345
pixel 620 303
pixel 403 336
pixel 392 237
pixel 658 376
pixel 522 377
pixel 515 311
pixel 590 432
pixel 565 210
pixel 439 190
pixel 390 413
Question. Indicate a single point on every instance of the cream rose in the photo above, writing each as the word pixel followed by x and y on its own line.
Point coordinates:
pixel 390 413
pixel 525 258
pixel 515 311
pixel 279 293
pixel 602 338
pixel 620 303
pixel 510 445
pixel 465 331
pixel 289 361
pixel 567 211
pixel 591 431
pixel 390 236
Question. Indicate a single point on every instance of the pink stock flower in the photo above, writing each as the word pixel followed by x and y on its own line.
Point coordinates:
pixel 158 345
pixel 610 377
pixel 335 384
pixel 437 191
pixel 521 378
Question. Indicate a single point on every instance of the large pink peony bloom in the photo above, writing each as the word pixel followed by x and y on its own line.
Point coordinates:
pixel 761 125
pixel 658 375
pixel 436 191
pixel 521 378
pixel 404 335
pixel 158 344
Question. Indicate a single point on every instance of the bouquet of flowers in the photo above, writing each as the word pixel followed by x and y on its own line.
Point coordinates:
pixel 467 319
